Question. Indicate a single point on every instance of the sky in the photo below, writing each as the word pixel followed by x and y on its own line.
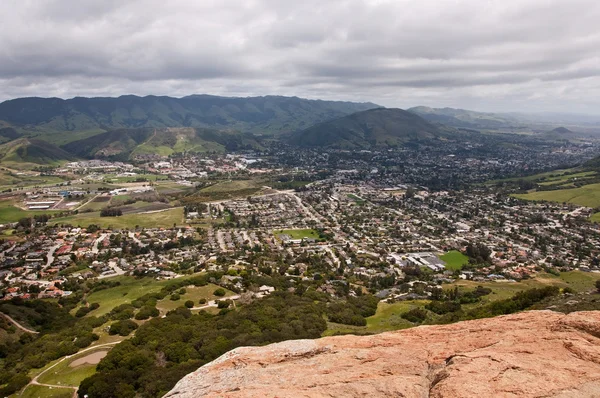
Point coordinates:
pixel 488 55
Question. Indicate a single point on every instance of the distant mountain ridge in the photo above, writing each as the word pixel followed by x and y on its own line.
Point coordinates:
pixel 382 127
pixel 268 115
pixel 462 118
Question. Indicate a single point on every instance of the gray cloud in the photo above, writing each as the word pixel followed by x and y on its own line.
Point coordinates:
pixel 491 55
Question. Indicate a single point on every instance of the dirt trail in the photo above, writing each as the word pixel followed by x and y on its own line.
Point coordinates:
pixel 17 324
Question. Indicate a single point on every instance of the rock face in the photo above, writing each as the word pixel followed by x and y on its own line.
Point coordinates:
pixel 531 354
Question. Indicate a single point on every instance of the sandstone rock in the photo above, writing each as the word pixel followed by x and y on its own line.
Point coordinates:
pixel 531 354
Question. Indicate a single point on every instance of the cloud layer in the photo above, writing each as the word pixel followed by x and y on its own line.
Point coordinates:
pixel 483 54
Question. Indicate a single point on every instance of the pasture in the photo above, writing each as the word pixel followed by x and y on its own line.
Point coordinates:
pixel 297 233
pixel 587 195
pixel 194 293
pixel 158 219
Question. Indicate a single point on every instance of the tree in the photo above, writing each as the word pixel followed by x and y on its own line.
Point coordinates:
pixel 220 292
pixel 598 285
pixel 189 304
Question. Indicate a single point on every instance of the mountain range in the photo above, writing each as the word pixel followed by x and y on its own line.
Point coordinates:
pixel 37 131
pixel 258 115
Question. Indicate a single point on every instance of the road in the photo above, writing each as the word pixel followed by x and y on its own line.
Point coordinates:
pixel 118 270
pixel 50 256
pixel 17 324
pixel 97 242
pixel 213 303
pixel 85 203
pixel 136 240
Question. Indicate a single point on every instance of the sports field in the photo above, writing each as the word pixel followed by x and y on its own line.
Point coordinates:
pixel 454 260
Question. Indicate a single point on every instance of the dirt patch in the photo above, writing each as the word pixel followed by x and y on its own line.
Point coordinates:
pixel 90 359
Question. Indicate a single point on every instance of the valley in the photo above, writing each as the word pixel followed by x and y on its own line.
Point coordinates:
pixel 194 240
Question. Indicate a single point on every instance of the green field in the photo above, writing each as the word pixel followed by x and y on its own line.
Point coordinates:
pixel 10 213
pixel 454 260
pixel 566 178
pixel 130 289
pixel 162 219
pixel 298 233
pixel 228 190
pixel 33 391
pixel 546 176
pixel 587 195
pixel 194 293
pixel 356 199
pixel 112 178
pixel 64 374
pixel 12 180
pixel 388 316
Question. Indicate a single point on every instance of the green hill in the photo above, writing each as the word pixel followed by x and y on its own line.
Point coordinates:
pixel 27 153
pixel 372 128
pixel 260 115
pixel 125 143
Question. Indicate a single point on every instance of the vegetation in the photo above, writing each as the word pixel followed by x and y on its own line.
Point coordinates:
pixel 371 128
pixel 164 350
pixel 164 219
pixel 254 114
pixel 587 195
pixel 26 153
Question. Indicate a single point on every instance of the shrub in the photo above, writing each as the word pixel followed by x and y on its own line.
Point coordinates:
pixel 220 292
pixel 122 328
pixel 416 315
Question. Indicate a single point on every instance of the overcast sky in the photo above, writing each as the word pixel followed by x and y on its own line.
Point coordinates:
pixel 505 55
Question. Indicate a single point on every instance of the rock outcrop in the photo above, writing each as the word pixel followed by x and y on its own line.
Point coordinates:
pixel 530 354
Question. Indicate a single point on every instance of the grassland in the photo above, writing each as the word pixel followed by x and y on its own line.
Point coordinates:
pixel 11 213
pixel 228 189
pixel 194 293
pixel 389 316
pixel 454 260
pixel 160 219
pixel 587 195
pixel 9 179
pixel 33 391
pixel 564 178
pixel 548 175
pixel 356 199
pixel 65 374
pixel 130 289
pixel 298 233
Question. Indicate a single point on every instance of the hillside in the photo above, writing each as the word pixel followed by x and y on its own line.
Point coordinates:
pixel 264 115
pixel 380 127
pixel 27 153
pixel 124 143
pixel 461 118
pixel 531 354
